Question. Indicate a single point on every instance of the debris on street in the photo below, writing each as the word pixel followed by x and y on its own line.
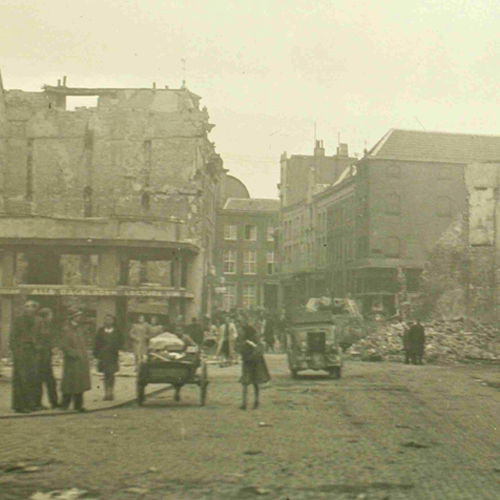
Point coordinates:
pixel 71 494
pixel 446 342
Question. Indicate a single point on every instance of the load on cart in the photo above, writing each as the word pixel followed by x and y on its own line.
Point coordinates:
pixel 175 360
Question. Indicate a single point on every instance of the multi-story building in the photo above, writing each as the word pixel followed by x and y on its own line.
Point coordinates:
pixel 245 259
pixel 90 196
pixel 305 194
pixel 386 212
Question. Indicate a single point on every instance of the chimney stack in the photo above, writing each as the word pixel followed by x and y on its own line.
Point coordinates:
pixel 343 150
pixel 319 150
pixel 64 81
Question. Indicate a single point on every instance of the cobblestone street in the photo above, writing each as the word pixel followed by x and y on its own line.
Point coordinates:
pixel 384 431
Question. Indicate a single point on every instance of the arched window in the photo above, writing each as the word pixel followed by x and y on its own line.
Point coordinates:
pixel 392 247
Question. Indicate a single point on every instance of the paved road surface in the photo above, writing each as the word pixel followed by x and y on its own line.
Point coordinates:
pixel 385 431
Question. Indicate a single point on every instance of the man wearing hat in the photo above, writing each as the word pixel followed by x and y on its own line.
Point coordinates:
pixel 76 368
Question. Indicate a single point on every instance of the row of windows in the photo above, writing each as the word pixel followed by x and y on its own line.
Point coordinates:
pixel 339 250
pixel 296 226
pixel 249 262
pixel 230 298
pixel 250 232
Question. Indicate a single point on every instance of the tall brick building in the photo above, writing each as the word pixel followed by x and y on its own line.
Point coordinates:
pixel 245 259
pixel 305 195
pixel 387 211
pixel 86 195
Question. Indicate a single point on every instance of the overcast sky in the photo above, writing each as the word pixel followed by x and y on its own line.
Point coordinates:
pixel 269 69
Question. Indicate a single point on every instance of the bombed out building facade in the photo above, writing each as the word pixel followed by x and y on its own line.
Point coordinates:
pixel 112 207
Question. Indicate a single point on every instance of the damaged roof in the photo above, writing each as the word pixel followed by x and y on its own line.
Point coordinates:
pixel 422 145
pixel 252 205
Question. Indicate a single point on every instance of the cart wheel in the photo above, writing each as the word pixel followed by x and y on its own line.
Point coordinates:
pixel 203 383
pixel 140 393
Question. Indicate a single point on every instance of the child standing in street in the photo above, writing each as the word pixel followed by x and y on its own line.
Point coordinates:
pixel 253 367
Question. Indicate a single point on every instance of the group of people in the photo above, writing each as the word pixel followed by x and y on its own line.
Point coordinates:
pixel 414 343
pixel 35 334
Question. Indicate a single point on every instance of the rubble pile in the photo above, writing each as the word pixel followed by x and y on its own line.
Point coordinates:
pixel 446 342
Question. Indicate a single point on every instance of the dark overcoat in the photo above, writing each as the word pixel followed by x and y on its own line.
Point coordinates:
pixel 253 367
pixel 76 371
pixel 106 350
pixel 23 345
pixel 416 339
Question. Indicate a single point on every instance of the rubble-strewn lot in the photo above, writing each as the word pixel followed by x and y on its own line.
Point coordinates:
pixel 446 342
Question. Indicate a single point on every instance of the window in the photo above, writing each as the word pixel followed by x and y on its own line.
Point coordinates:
pixel 270 262
pixel 250 262
pixel 230 232
pixel 393 171
pixel 393 204
pixel 250 233
pixel 270 233
pixel 392 247
pixel 444 207
pixel 229 298
pixel 229 262
pixel 249 296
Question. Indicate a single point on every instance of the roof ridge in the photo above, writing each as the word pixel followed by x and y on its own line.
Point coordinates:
pixel 441 132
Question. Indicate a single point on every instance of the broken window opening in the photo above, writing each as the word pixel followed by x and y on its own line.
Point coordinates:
pixel 87 201
pixel 75 102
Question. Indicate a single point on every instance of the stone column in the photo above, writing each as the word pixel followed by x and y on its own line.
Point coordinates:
pixel 195 283
pixel 8 273
pixel 109 275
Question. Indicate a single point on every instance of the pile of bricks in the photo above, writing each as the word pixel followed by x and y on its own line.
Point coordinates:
pixel 446 342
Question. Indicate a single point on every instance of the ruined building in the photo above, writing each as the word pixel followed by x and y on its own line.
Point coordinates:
pixel 114 202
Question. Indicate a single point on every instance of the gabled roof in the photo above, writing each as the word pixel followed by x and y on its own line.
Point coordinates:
pixel 421 145
pixel 252 205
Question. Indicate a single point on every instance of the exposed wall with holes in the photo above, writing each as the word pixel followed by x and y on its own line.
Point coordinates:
pixel 139 153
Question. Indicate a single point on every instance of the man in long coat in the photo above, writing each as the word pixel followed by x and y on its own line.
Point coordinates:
pixel 76 368
pixel 46 340
pixel 416 343
pixel 24 351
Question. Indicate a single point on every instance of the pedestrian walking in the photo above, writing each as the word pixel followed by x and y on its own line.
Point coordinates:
pixel 140 333
pixel 23 344
pixel 46 340
pixel 227 336
pixel 416 343
pixel 106 351
pixel 253 367
pixel 76 367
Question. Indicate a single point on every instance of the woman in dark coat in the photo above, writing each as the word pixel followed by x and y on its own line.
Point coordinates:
pixel 76 368
pixel 253 367
pixel 106 351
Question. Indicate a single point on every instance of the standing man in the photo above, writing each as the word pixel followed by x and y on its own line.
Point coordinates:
pixel 227 336
pixel 23 338
pixel 195 331
pixel 139 333
pixel 416 341
pixel 155 328
pixel 76 368
pixel 46 340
